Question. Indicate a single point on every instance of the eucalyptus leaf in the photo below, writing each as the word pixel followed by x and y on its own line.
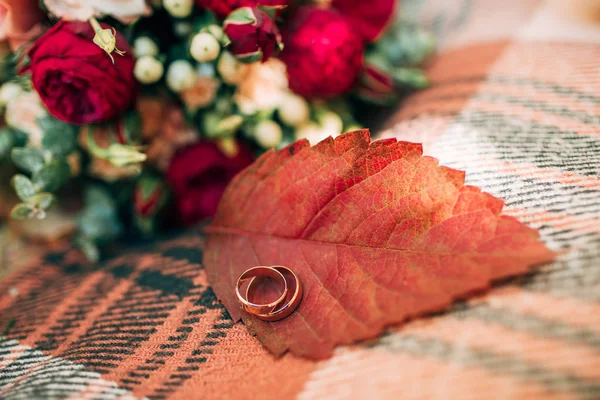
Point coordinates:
pixel 89 248
pixel 23 187
pixel 99 221
pixel 59 137
pixel 413 78
pixel 98 197
pixel 52 176
pixel 42 201
pixel 29 159
pixel 22 211
pixel 7 141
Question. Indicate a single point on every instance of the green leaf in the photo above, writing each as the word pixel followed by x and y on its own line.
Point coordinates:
pixel 7 142
pixel 241 16
pixel 29 159
pixel 52 176
pixel 413 78
pixel 96 196
pixel 42 201
pixel 203 20
pixel 23 186
pixel 99 220
pixel 249 58
pixel 59 137
pixel 22 211
pixel 132 127
pixel 89 248
pixel 271 11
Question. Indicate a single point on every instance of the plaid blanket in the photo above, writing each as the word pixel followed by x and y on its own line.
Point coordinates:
pixel 515 102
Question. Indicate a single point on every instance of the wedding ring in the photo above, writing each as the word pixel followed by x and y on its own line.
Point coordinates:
pixel 260 272
pixel 292 299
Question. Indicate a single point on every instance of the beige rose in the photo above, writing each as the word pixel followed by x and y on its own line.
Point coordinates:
pixel 165 130
pixel 22 114
pixel 263 87
pixel 201 94
pixel 152 111
pixel 125 11
pixel 175 134
pixel 20 21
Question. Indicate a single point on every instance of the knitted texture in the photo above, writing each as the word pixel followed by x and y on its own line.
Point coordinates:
pixel 515 102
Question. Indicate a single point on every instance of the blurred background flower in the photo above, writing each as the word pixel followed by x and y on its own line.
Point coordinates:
pixel 20 21
pixel 124 10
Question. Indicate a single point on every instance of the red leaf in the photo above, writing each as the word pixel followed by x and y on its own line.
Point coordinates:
pixel 377 233
pixel 371 18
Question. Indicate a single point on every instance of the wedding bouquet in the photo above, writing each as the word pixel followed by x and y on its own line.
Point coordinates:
pixel 124 117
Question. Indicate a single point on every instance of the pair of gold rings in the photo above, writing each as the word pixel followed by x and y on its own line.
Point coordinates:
pixel 284 305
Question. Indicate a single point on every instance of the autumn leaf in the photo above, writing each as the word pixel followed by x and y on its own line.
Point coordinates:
pixel 376 232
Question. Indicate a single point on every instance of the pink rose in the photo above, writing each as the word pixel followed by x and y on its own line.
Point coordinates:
pixel 125 11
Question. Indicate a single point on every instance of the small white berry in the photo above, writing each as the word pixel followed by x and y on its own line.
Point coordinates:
pixel 8 92
pixel 268 134
pixel 332 123
pixel 144 46
pixel 230 69
pixel 205 47
pixel 294 110
pixel 180 75
pixel 179 8
pixel 205 69
pixel 148 70
pixel 312 132
pixel 216 31
pixel 182 29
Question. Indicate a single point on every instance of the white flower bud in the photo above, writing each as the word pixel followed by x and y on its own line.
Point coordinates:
pixel 179 8
pixel 268 134
pixel 294 110
pixel 121 155
pixel 180 75
pixel 332 123
pixel 148 70
pixel 144 46
pixel 9 91
pixel 205 47
pixel 230 69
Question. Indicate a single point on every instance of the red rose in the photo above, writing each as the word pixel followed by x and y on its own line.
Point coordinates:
pixel 199 175
pixel 76 79
pixel 254 35
pixel 224 7
pixel 369 17
pixel 323 53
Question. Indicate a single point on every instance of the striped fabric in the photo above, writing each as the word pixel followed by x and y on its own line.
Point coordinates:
pixel 515 102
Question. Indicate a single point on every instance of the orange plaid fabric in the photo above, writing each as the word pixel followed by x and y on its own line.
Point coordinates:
pixel 515 101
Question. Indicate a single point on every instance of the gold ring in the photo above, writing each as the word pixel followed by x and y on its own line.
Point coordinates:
pixel 292 302
pixel 263 272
